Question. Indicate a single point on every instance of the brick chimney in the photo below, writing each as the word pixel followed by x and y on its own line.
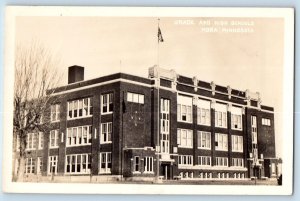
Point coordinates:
pixel 76 74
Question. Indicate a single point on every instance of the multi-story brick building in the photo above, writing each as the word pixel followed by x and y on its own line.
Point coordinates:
pixel 166 126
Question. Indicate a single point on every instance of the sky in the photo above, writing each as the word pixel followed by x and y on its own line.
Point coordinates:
pixel 202 47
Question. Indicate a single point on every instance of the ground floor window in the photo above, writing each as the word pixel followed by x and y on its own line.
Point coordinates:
pixel 78 163
pixel 223 175
pixel 136 165
pixel 39 165
pixel 105 162
pixel 52 164
pixel 148 164
pixel 238 175
pixel 30 165
pixel 205 175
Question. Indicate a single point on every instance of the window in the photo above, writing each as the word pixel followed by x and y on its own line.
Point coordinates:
pixel 237 143
pixel 204 140
pixel 236 118
pixel 273 169
pixel 105 162
pixel 237 162
pixel 54 138
pixel 106 131
pixel 184 109
pixel 55 112
pixel 107 105
pixel 136 166
pixel 221 115
pixel 39 165
pixel 80 108
pixel 185 160
pixel 221 142
pixel 164 125
pixel 205 175
pixel 254 129
pixel 203 112
pixel 266 122
pixel 135 98
pixel 148 164
pixel 78 163
pixel 29 166
pixel 221 161
pixel 204 160
pixel 31 141
pixel 185 138
pixel 41 140
pixel 52 164
pixel 81 135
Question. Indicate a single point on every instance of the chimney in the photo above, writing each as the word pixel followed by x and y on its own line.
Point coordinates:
pixel 76 74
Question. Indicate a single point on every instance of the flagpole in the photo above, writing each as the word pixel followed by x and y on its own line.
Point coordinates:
pixel 158 144
pixel 158 42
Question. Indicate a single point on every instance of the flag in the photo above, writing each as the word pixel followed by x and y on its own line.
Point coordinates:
pixel 159 35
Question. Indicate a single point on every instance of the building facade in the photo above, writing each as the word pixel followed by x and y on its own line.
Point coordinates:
pixel 166 126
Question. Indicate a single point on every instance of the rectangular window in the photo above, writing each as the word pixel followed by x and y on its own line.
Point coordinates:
pixel 41 140
pixel 106 131
pixel 136 164
pixel 164 125
pixel 148 164
pixel 221 142
pixel 204 160
pixel 185 160
pixel 107 105
pixel 52 164
pixel 80 108
pixel 135 98
pixel 221 115
pixel 273 168
pixel 204 140
pixel 266 122
pixel 77 136
pixel 185 138
pixel 203 112
pixel 105 162
pixel 254 129
pixel 54 138
pixel 237 143
pixel 39 165
pixel 237 162
pixel 29 166
pixel 31 141
pixel 184 109
pixel 78 164
pixel 55 112
pixel 236 118
pixel 222 161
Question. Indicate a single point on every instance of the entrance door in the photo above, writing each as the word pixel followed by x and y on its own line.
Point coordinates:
pixel 166 171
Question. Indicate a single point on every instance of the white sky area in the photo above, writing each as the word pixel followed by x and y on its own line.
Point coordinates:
pixel 106 45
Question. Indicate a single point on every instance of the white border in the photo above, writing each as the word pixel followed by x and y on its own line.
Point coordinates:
pixel 286 13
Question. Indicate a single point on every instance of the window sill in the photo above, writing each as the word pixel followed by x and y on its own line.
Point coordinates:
pixel 106 142
pixel 237 129
pixel 220 126
pixel 79 145
pixel 56 121
pixel 185 147
pixel 73 118
pixel 136 173
pixel 221 149
pixel 148 172
pixel 106 113
pixel 56 147
pixel 203 124
pixel 104 172
pixel 188 122
pixel 204 148
pixel 237 151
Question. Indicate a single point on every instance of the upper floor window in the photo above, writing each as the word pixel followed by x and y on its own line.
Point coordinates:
pixel 237 143
pixel 236 118
pixel 106 131
pixel 81 135
pixel 107 104
pixel 203 112
pixel 254 129
pixel 80 108
pixel 165 118
pixel 41 140
pixel 54 138
pixel 266 122
pixel 55 112
pixel 135 98
pixel 31 141
pixel 204 140
pixel 185 138
pixel 221 142
pixel 221 115
pixel 184 109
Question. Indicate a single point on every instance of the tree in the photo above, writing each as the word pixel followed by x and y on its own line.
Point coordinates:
pixel 36 77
